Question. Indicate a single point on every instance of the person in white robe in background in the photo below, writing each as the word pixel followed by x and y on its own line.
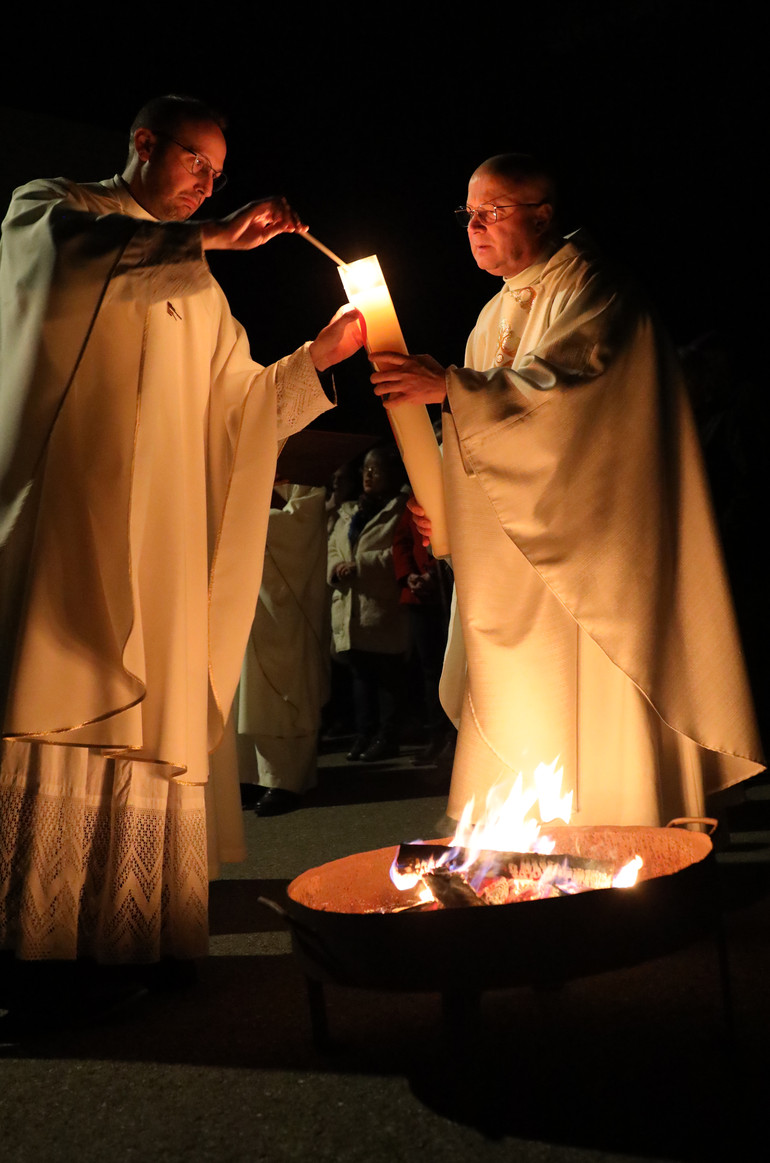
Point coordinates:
pixel 285 675
pixel 596 617
pixel 137 458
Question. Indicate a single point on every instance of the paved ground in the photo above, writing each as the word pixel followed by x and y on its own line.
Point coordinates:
pixel 623 1066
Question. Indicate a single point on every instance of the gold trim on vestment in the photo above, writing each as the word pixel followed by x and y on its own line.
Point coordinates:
pixel 297 602
pixel 483 736
pixel 116 751
pixel 308 622
pixel 36 735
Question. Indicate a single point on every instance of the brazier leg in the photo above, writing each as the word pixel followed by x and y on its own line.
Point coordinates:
pixel 319 1021
pixel 720 940
pixel 461 1011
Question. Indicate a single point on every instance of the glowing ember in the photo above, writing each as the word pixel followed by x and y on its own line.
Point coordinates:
pixel 404 880
pixel 504 857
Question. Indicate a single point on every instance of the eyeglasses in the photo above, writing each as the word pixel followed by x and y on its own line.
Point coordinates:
pixel 487 214
pixel 197 164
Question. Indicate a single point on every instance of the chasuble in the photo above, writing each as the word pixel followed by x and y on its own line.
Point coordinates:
pixel 285 674
pixel 594 619
pixel 137 459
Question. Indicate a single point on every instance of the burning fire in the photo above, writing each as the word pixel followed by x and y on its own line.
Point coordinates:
pixel 487 862
pixel 504 826
pixel 626 878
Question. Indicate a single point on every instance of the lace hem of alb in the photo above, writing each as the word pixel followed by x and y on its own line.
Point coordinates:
pixel 99 857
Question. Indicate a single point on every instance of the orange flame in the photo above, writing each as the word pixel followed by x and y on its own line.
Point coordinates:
pixel 626 878
pixel 506 825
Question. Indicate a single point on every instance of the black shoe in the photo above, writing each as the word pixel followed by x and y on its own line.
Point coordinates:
pixel 360 745
pixel 251 794
pixel 446 755
pixel 431 751
pixel 380 749
pixel 277 801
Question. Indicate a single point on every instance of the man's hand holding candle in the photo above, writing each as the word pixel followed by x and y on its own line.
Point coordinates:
pixel 421 520
pixel 408 379
pixel 341 337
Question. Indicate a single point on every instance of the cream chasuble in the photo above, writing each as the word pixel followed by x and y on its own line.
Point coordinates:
pixel 285 675
pixel 595 613
pixel 144 439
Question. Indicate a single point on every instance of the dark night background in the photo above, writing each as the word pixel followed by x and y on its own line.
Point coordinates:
pixel 370 121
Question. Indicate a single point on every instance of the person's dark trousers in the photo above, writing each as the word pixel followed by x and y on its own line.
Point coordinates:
pixel 378 686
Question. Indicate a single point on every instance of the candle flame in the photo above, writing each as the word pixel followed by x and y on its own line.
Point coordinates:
pixel 362 275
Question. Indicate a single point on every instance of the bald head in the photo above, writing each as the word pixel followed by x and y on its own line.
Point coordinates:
pixel 522 192
pixel 524 171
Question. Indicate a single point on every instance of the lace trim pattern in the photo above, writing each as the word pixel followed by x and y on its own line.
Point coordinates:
pixel 300 397
pixel 99 857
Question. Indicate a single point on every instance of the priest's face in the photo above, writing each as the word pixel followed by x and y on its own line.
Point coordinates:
pixel 168 187
pixel 515 240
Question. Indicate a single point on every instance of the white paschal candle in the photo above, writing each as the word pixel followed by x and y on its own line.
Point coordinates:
pixel 367 290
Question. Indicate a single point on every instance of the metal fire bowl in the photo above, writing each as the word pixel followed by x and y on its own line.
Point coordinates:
pixel 338 938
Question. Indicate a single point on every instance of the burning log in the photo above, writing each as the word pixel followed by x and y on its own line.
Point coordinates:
pixel 451 890
pixel 459 878
pixel 505 890
pixel 584 871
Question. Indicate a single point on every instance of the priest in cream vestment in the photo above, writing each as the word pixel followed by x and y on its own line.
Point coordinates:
pixel 285 675
pixel 594 618
pixel 139 442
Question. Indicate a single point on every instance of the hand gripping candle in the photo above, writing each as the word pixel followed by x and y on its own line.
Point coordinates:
pixel 367 290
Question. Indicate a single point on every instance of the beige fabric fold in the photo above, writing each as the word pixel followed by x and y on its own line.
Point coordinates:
pixel 161 452
pixel 594 604
pixel 285 674
pixel 137 456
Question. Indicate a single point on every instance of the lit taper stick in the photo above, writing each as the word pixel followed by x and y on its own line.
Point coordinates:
pixel 324 249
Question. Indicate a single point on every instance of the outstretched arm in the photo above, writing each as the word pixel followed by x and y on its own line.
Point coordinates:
pixel 341 337
pixel 251 226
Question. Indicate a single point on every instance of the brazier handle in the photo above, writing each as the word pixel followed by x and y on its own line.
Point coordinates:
pixel 683 821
